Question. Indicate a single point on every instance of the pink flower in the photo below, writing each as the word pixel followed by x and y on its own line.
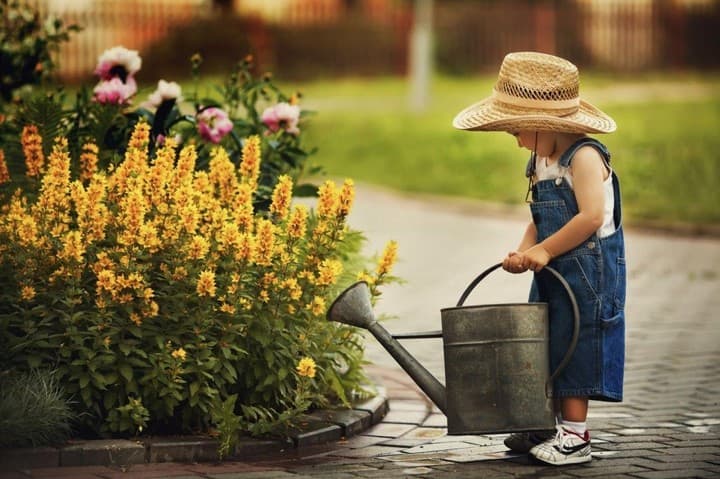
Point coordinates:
pixel 282 116
pixel 115 91
pixel 214 124
pixel 165 91
pixel 118 62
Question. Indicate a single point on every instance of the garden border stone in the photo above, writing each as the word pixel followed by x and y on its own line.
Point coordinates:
pixel 315 428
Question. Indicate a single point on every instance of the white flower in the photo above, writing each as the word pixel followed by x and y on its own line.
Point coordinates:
pixel 115 91
pixel 165 91
pixel 282 116
pixel 118 62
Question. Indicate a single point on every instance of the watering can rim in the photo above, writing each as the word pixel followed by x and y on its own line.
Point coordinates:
pixel 494 305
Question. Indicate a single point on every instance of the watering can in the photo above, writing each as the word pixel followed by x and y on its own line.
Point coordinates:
pixel 496 359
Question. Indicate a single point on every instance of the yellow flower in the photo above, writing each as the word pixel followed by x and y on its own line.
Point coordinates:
pixel 306 368
pixel 364 276
pixel 297 226
pixel 265 246
pixel 243 207
pixel 246 248
pixel 27 293
pixel 206 283
pixel 179 274
pixel 106 280
pixel 328 272
pixel 281 197
pixel 227 308
pixel 185 167
pixel 388 258
pixel 198 247
pixel 32 149
pixel 345 200
pixel 140 136
pixel 250 165
pixel 88 161
pixel 222 174
pixel 107 341
pixel 327 199
pixel 317 306
pixel 4 173
pixel 73 247
pixel 179 353
pixel 135 318
pixel 293 288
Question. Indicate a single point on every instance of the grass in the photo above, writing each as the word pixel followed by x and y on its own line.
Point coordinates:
pixel 666 149
pixel 33 410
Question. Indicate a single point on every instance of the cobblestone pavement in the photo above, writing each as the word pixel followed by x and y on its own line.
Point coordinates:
pixel 667 427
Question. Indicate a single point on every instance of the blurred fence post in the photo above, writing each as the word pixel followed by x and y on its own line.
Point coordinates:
pixel 421 54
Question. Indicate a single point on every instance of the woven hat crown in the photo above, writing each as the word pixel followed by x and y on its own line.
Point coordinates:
pixel 535 91
pixel 537 76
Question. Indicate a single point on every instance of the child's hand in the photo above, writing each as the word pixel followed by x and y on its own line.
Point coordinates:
pixel 513 263
pixel 535 258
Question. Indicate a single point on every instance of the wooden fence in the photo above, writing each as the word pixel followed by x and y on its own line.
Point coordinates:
pixel 134 24
pixel 307 38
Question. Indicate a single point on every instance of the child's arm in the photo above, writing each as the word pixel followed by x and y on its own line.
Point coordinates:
pixel 589 172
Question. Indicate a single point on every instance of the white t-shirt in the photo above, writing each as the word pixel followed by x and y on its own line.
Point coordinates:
pixel 553 171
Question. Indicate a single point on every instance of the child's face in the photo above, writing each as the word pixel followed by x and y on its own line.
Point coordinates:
pixel 543 143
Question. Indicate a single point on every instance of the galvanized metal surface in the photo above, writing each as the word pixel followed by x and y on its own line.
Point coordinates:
pixel 496 367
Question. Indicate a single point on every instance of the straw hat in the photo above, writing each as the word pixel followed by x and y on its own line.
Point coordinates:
pixel 535 92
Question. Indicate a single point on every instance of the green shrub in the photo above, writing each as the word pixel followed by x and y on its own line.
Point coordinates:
pixel 34 409
pixel 158 290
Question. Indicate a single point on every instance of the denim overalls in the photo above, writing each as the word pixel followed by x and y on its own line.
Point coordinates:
pixel 595 271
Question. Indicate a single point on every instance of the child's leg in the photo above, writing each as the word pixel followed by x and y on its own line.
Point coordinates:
pixel 574 413
pixel 574 409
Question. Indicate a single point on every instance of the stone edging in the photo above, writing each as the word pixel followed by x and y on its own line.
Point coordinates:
pixel 318 427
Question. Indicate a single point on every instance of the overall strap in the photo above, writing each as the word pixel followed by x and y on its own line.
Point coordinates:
pixel 567 156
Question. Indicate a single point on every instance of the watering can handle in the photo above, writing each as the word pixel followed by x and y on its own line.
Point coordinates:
pixel 576 314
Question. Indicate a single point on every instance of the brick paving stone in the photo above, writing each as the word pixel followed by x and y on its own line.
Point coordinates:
pixel 684 474
pixel 440 446
pixel 389 431
pixel 709 458
pixel 257 475
pixel 435 420
pixel 410 405
pixel 403 442
pixel 405 417
pixel 431 433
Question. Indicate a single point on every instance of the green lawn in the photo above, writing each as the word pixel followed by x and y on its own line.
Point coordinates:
pixel 666 149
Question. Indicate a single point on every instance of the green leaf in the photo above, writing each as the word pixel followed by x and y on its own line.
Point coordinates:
pixel 126 371
pixel 194 387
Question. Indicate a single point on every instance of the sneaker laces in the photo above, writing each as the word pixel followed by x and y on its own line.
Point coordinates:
pixel 564 435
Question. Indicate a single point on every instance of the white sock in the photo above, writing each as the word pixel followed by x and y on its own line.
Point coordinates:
pixel 578 427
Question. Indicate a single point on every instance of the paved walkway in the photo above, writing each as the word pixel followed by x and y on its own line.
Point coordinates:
pixel 667 427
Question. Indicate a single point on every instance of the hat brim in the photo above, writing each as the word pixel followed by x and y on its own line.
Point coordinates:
pixel 489 115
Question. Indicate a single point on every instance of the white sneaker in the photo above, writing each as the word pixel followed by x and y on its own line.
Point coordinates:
pixel 567 447
pixel 524 441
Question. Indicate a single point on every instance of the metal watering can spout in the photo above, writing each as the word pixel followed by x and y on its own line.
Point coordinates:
pixel 353 307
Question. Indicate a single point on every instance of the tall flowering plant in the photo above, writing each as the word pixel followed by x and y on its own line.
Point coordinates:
pixel 246 105
pixel 160 292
